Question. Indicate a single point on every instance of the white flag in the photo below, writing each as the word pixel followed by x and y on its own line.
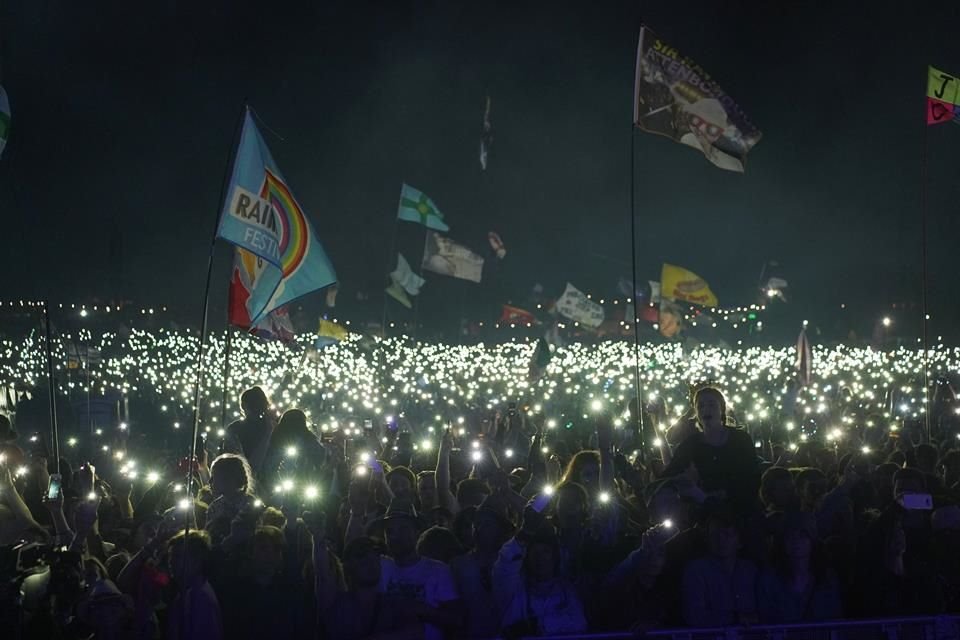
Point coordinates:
pixel 573 304
pixel 446 257
pixel 404 276
pixel 654 291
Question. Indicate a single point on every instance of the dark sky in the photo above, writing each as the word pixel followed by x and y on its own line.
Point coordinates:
pixel 123 116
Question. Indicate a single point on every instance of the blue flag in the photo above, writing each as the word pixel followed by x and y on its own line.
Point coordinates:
pixel 261 215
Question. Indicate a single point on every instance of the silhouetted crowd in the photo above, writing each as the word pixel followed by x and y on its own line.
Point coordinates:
pixel 502 528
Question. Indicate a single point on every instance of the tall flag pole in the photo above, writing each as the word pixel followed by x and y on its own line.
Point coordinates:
pixel 675 97
pixel 206 308
pixel 942 105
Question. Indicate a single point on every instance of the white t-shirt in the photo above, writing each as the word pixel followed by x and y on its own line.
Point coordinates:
pixel 428 581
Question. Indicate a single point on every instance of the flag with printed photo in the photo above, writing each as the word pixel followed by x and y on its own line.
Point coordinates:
pixel 676 98
pixel 261 216
pixel 444 256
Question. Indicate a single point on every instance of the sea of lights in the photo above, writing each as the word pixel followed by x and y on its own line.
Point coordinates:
pixel 341 386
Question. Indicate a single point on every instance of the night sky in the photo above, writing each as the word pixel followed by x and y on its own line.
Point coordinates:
pixel 123 116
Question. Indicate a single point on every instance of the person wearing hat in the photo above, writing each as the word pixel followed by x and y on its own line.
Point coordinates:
pixel 799 585
pixel 426 585
pixel 473 571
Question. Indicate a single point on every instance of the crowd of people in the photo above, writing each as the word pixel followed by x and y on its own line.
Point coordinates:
pixel 503 529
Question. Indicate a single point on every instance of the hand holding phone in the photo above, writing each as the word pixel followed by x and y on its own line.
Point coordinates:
pixel 54 488
pixel 541 501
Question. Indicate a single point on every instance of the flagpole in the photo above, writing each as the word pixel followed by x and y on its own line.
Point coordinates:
pixel 228 343
pixel 53 387
pixel 416 301
pixel 231 158
pixel 393 249
pixel 923 282
pixel 633 297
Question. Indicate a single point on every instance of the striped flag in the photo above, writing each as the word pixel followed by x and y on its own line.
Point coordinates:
pixel 804 363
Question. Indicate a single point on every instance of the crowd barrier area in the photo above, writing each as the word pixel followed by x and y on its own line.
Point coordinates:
pixel 927 628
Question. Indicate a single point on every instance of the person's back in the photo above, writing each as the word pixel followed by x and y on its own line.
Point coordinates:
pixel 250 436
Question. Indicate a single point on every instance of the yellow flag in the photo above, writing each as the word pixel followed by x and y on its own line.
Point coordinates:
pixel 679 284
pixel 942 86
pixel 331 332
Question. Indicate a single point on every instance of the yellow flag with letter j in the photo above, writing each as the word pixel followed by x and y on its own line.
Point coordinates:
pixel 678 283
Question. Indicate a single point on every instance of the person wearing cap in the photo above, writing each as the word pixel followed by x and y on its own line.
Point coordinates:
pixel 473 571
pixel 426 585
pixel 799 585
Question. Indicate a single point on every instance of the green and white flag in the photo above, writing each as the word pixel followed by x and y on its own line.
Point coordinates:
pixel 4 119
pixel 415 206
pixel 396 292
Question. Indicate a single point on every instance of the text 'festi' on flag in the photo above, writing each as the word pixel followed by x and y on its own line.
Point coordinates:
pixel 943 97
pixel 677 283
pixel 444 256
pixel 576 306
pixel 416 206
pixel 675 97
pixel 262 216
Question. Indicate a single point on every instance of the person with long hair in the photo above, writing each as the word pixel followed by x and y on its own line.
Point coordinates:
pixel 294 449
pixel 720 456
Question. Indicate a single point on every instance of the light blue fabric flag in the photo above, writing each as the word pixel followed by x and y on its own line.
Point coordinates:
pixel 261 215
pixel 415 206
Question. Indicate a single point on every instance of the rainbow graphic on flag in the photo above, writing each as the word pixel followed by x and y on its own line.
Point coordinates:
pixel 261 216
pixel 295 235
